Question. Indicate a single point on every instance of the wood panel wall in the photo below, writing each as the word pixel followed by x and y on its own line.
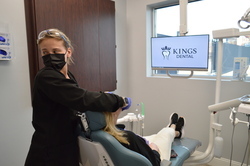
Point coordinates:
pixel 90 24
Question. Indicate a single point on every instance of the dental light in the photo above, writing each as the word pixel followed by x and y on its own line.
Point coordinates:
pixel 245 18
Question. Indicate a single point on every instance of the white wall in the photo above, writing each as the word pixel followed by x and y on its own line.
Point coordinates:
pixel 15 101
pixel 121 50
pixel 188 97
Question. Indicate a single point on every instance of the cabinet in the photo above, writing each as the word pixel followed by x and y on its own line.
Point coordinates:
pixel 90 24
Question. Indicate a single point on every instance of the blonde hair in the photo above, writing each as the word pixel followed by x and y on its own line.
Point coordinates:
pixel 58 35
pixel 112 130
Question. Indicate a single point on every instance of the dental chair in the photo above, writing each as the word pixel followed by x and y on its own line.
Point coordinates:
pixel 98 148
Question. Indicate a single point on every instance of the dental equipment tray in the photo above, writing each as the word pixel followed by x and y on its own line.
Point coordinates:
pixel 184 148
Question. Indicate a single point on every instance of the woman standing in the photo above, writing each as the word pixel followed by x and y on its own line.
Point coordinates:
pixel 56 96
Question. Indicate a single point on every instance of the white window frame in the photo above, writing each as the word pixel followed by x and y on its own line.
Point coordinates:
pixel 196 75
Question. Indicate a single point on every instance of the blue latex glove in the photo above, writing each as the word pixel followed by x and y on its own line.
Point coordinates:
pixel 128 103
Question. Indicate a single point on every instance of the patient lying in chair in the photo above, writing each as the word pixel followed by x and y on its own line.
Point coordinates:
pixel 156 147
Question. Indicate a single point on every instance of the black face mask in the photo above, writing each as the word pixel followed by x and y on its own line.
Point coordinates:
pixel 56 61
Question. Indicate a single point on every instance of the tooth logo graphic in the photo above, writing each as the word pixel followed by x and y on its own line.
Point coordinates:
pixel 166 52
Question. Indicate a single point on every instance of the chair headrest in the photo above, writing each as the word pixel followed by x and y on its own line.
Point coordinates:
pixel 96 120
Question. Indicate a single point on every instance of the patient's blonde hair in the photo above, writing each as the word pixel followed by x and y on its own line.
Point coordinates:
pixel 112 130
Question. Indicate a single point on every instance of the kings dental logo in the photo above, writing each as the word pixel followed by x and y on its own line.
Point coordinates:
pixel 178 52
pixel 166 52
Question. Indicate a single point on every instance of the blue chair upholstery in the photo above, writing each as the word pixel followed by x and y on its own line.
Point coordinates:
pixel 122 156
pixel 119 155
pixel 184 148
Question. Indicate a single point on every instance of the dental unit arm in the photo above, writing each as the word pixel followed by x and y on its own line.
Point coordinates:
pixel 243 105
pixel 244 108
pixel 132 117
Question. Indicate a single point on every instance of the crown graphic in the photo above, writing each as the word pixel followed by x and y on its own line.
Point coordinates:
pixel 166 48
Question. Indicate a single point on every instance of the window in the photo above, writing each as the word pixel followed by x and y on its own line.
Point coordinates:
pixel 203 17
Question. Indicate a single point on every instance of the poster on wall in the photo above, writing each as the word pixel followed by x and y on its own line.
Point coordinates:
pixel 5 46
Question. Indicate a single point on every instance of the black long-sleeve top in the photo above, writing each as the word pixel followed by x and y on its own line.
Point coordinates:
pixel 54 142
pixel 139 145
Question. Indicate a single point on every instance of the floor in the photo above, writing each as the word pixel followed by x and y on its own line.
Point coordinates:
pixel 218 162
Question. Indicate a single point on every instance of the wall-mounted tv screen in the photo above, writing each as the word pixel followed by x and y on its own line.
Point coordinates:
pixel 180 52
